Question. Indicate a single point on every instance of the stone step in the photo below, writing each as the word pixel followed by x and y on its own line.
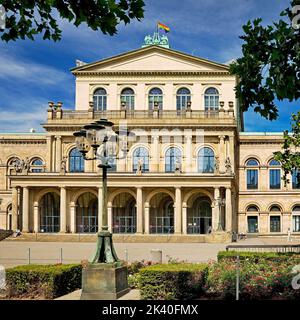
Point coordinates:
pixel 42 237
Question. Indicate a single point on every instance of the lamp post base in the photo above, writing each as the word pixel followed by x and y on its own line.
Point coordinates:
pixel 103 281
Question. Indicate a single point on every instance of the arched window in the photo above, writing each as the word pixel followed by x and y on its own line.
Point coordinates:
pixel 211 99
pixel 173 157
pixel 100 99
pixel 76 161
pixel 206 160
pixel 296 218
pixel 252 174
pixel 37 165
pixel 274 174
pixel 275 220
pixel 127 97
pixel 87 213
pixel 296 178
pixel 140 154
pixel 155 96
pixel 183 96
pixel 252 220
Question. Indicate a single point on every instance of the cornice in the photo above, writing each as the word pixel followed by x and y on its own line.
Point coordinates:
pixel 151 73
pixel 22 141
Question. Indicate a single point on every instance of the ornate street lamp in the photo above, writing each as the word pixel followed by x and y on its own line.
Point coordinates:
pixel 98 141
pixel 221 203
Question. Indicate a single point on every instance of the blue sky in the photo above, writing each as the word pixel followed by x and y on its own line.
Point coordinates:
pixel 35 72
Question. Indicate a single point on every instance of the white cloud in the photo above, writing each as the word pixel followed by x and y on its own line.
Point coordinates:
pixel 17 69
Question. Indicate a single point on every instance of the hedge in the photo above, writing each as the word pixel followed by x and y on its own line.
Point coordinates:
pixel 45 281
pixel 259 256
pixel 172 281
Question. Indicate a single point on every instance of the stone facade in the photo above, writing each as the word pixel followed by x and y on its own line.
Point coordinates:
pixel 192 179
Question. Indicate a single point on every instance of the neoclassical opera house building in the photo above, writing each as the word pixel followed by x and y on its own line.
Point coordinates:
pixel 200 171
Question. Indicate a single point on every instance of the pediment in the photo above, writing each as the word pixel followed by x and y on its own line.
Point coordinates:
pixel 152 58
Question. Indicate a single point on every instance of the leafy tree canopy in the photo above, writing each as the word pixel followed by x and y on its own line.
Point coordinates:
pixel 269 68
pixel 28 18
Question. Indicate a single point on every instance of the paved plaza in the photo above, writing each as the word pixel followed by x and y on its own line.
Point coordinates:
pixel 17 253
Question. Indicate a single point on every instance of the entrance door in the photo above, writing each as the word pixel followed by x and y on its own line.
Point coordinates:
pixel 252 224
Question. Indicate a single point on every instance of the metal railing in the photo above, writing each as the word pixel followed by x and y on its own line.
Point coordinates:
pixel 265 248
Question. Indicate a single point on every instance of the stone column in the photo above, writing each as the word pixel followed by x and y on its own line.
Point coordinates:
pixel 58 153
pixel 109 217
pixel 49 154
pixel 222 153
pixel 36 217
pixel 147 218
pixel 232 153
pixel 100 190
pixel 15 208
pixel 63 210
pixel 184 218
pixel 25 210
pixel 178 207
pixel 216 209
pixel 155 153
pixel 139 210
pixel 73 217
pixel 228 219
pixel 188 166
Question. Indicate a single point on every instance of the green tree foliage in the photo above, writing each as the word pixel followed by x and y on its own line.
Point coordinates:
pixel 290 156
pixel 269 68
pixel 28 18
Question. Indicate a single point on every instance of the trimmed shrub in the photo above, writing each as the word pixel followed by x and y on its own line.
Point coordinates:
pixel 45 281
pixel 259 256
pixel 172 281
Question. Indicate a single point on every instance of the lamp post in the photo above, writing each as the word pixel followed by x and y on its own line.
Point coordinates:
pixel 221 203
pixel 105 277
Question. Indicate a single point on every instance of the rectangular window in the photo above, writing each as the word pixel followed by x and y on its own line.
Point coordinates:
pixel 275 178
pixel 296 223
pixel 252 224
pixel 296 179
pixel 275 224
pixel 252 179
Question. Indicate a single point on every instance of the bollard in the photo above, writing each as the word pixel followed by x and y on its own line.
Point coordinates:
pixel 61 255
pixel 156 256
pixel 238 278
pixel 29 257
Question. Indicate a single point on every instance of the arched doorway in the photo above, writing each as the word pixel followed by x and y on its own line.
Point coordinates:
pixel 124 213
pixel 87 213
pixel 199 216
pixel 49 209
pixel 9 217
pixel 161 214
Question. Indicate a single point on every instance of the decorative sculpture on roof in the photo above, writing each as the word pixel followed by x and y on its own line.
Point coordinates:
pixel 156 39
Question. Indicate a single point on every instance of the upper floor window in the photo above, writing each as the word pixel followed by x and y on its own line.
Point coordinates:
pixel 206 160
pixel 183 96
pixel 173 159
pixel 155 97
pixel 100 99
pixel 275 174
pixel 141 158
pixel 296 178
pixel 252 174
pixel 37 165
pixel 128 97
pixel 211 99
pixel 76 161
